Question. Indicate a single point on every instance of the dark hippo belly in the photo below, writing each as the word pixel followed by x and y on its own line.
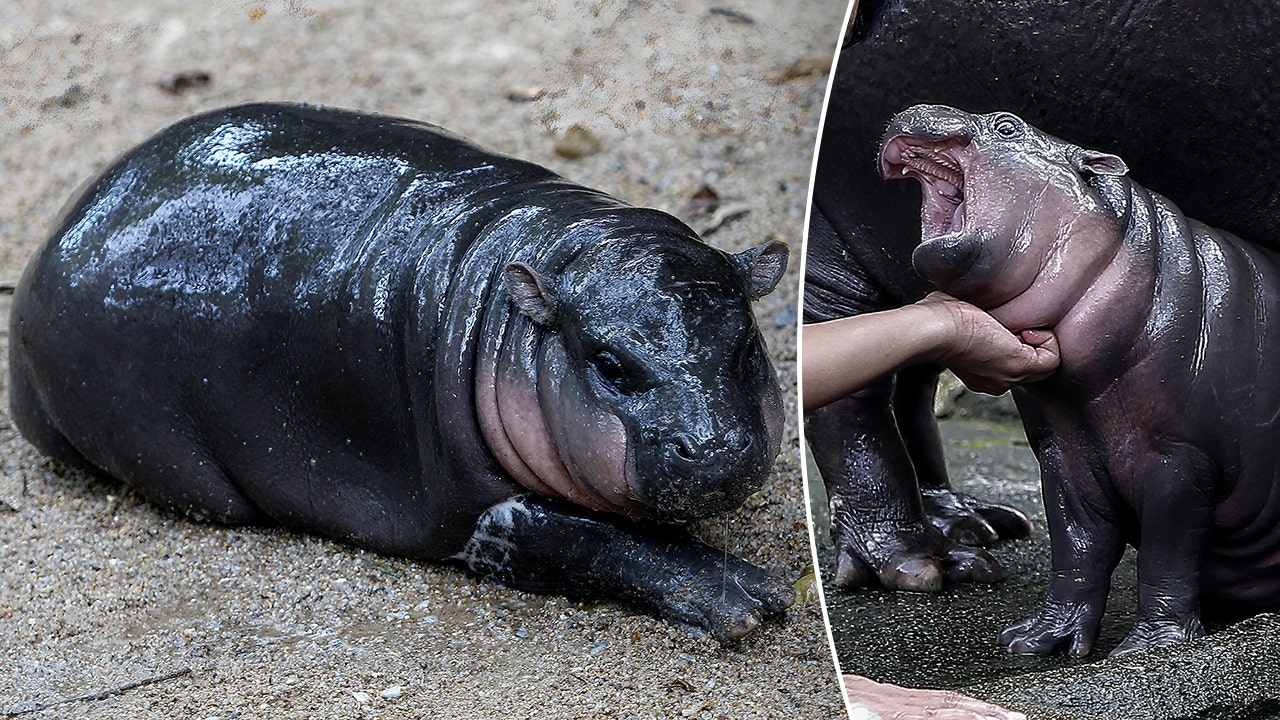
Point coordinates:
pixel 369 328
pixel 1202 386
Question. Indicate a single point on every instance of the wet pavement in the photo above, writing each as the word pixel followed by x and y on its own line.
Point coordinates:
pixel 949 640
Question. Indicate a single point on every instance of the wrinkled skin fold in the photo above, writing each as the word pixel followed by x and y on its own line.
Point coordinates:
pixel 369 328
pixel 1159 428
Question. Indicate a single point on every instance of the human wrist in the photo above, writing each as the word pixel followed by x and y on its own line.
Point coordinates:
pixel 936 331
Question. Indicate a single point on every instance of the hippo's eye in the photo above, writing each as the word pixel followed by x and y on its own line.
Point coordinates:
pixel 1008 126
pixel 611 371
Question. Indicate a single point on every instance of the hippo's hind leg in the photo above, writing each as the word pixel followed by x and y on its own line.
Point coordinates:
pixel 544 545
pixel 961 517
pixel 182 477
pixel 188 480
pixel 31 418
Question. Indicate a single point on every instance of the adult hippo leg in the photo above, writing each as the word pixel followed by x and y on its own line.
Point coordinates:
pixel 1176 517
pixel 963 518
pixel 540 544
pixel 1086 544
pixel 877 520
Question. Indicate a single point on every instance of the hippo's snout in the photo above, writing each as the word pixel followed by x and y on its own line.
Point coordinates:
pixel 689 478
pixel 931 123
pixel 932 144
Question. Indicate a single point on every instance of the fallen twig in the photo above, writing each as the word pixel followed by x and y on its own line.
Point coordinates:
pixel 101 695
pixel 722 215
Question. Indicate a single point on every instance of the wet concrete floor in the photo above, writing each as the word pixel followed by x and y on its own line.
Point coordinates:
pixel 948 640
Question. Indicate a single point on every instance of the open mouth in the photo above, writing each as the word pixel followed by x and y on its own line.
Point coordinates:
pixel 937 165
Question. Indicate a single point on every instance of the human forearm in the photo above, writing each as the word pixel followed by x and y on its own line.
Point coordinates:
pixel 841 356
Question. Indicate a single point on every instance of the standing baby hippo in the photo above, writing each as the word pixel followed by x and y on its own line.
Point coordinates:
pixel 1160 427
pixel 369 328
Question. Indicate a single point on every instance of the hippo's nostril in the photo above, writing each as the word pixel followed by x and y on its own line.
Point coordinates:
pixel 685 449
pixel 682 447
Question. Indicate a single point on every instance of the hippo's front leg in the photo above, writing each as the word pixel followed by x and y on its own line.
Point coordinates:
pixel 1086 544
pixel 541 544
pixel 1176 516
pixel 961 517
pixel 877 522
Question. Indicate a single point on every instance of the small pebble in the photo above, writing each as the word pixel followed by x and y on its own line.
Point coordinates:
pixel 177 83
pixel 577 142
pixel 524 93
pixel 392 692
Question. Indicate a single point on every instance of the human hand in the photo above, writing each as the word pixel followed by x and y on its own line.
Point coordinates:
pixel 872 700
pixel 984 354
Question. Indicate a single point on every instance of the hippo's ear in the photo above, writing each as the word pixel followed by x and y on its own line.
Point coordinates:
pixel 530 294
pixel 1093 162
pixel 763 266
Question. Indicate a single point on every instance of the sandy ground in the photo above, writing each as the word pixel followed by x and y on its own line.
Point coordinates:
pixel 101 592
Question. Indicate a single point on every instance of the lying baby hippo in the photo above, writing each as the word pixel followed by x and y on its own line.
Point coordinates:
pixel 1160 428
pixel 369 328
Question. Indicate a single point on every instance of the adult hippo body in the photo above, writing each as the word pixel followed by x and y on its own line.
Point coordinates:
pixel 369 328
pixel 1160 427
pixel 1161 83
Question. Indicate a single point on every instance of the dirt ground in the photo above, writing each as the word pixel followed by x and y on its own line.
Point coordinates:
pixel 110 607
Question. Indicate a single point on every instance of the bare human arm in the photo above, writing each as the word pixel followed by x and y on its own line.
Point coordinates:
pixel 841 356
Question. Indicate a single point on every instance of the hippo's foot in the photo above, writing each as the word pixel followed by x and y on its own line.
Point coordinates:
pixel 1057 623
pixel 905 555
pixel 1152 633
pixel 543 545
pixel 713 590
pixel 970 521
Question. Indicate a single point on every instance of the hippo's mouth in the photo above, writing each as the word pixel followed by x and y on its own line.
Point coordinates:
pixel 937 164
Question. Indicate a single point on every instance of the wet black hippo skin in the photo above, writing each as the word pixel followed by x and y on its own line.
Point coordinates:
pixel 314 317
pixel 1159 428
pixel 1181 89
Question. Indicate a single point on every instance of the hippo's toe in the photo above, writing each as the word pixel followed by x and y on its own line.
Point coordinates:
pixel 967 564
pixel 970 521
pixel 912 573
pixel 734 604
pixel 851 572
pixel 1152 633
